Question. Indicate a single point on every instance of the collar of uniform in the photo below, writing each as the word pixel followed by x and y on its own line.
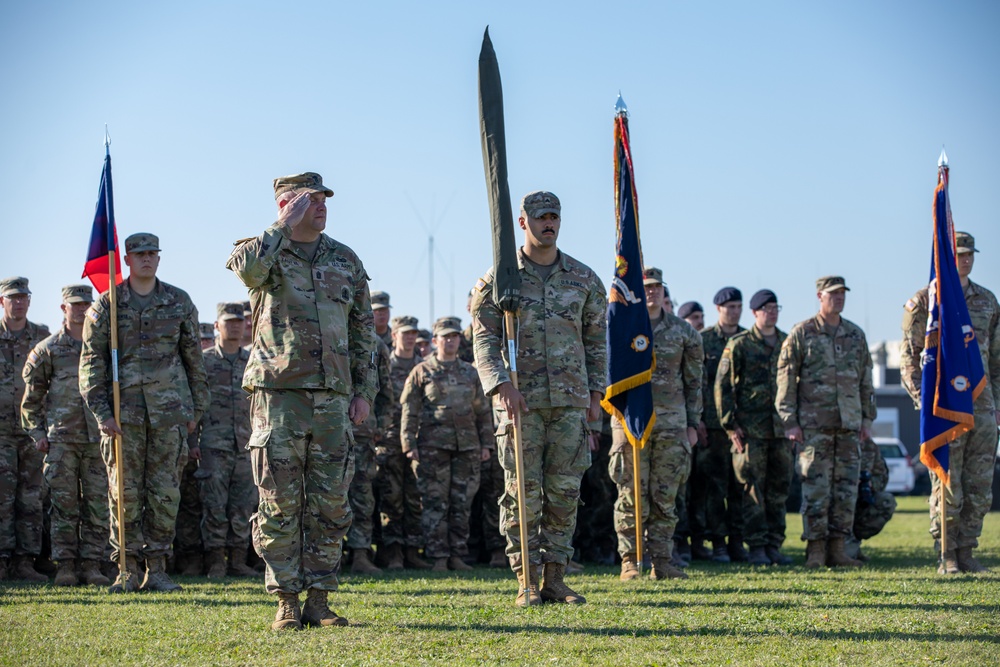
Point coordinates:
pixel 822 323
pixel 6 332
pixel 159 293
pixel 325 243
pixel 241 353
pixel 524 264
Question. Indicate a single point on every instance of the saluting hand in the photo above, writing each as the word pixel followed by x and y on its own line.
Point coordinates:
pixel 293 207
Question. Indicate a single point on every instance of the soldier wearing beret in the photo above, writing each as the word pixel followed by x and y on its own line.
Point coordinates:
pixel 54 417
pixel 446 432
pixel 665 461
pixel 693 314
pixel 970 457
pixel 164 392
pixel 312 374
pixel 826 403
pixel 21 481
pixel 716 496
pixel 762 458
pixel 225 482
pixel 563 374
pixel 399 496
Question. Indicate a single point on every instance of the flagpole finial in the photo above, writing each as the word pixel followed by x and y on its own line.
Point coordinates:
pixel 943 160
pixel 620 108
pixel 107 137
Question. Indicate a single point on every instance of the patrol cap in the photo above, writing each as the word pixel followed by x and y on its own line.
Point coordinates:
pixel 229 310
pixel 762 298
pixel 688 308
pixel 14 285
pixel 310 181
pixel 207 330
pixel 380 300
pixel 447 325
pixel 964 243
pixel 424 336
pixel 538 203
pixel 831 284
pixel 404 323
pixel 652 276
pixel 77 294
pixel 727 294
pixel 142 242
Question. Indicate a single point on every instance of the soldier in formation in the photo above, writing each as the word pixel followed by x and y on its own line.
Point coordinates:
pixel 665 461
pixel 312 375
pixel 970 457
pixel 826 404
pixel 164 392
pixel 762 458
pixel 55 418
pixel 563 370
pixel 446 431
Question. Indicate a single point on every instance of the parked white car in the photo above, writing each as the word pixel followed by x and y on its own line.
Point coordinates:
pixel 902 477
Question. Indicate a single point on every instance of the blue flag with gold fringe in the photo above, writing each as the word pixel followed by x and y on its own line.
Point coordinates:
pixel 952 374
pixel 629 395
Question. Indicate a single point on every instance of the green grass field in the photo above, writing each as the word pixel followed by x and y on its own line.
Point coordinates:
pixel 896 611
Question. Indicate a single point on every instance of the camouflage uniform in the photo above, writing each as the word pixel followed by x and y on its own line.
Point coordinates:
pixel 447 420
pixel 225 481
pixel 187 542
pixel 366 437
pixel 665 461
pixel 21 480
pixel 971 455
pixel 744 398
pixel 561 359
pixel 825 387
pixel 716 497
pixel 78 482
pixel 313 351
pixel 870 518
pixel 399 497
pixel 163 387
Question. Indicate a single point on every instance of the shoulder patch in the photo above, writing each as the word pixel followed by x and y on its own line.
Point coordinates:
pixel 911 305
pixel 33 357
pixel 480 285
pixel 92 314
pixel 724 364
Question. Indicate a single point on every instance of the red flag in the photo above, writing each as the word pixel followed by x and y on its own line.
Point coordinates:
pixel 103 236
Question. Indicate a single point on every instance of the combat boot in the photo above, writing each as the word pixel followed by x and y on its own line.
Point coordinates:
pixel 4 567
pixel 216 562
pixel 554 589
pixel 362 564
pixel 457 564
pixel 127 581
pixel 737 554
pixel 190 564
pixel 66 574
pixel 238 563
pixel 815 554
pixel 630 569
pixel 948 563
pixel 156 576
pixel 288 616
pixel 835 556
pixel 966 562
pixel 682 550
pixel 699 551
pixel 720 552
pixel 776 557
pixel 664 569
pixel 24 569
pixel 498 559
pixel 527 594
pixel 316 612
pixel 758 556
pixel 413 560
pixel 440 564
pixel 91 574
pixel 394 556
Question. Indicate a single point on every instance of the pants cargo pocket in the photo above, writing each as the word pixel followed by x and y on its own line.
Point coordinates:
pixel 258 459
pixel 255 537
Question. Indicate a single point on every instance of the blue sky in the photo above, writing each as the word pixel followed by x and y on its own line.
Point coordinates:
pixel 773 142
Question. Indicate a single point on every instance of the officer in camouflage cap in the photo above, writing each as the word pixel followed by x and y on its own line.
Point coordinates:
pixel 402 532
pixel 21 481
pixel 54 416
pixel 563 371
pixel 424 343
pixel 381 310
pixel 225 481
pixel 312 374
pixel 164 392
pixel 665 461
pixel 762 457
pixel 447 431
pixel 971 455
pixel 826 403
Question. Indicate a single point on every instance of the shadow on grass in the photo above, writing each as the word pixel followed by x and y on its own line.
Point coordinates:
pixel 829 635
